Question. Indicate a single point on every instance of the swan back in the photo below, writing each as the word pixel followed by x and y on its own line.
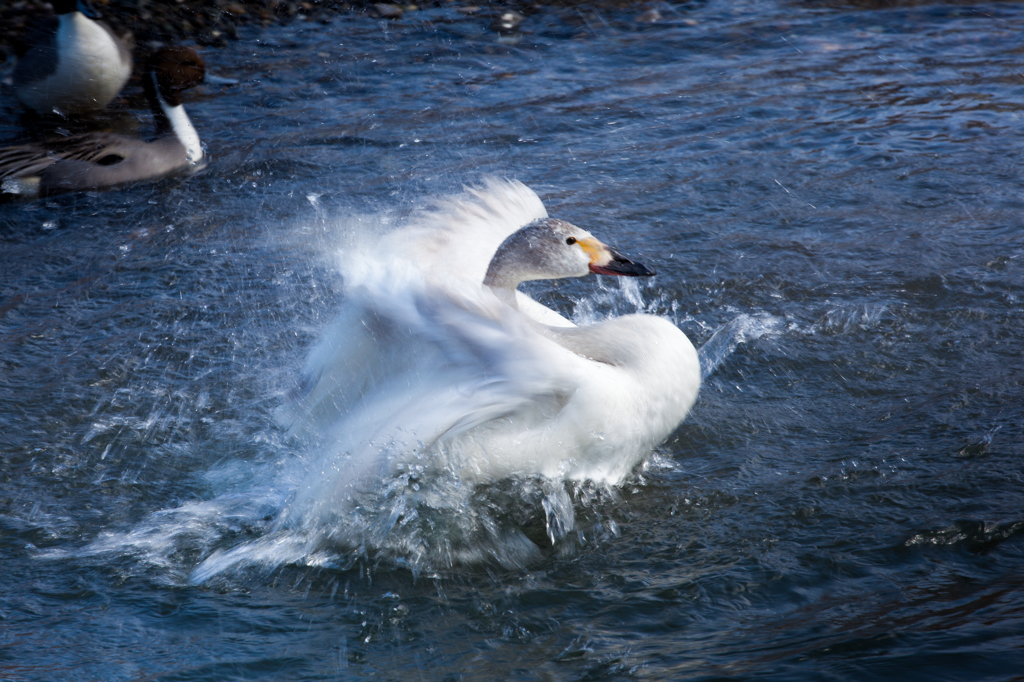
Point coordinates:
pixel 643 363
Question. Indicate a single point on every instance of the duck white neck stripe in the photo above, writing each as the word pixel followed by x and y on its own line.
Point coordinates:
pixel 185 131
pixel 182 127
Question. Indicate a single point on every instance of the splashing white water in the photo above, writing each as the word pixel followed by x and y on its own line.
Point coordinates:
pixel 741 329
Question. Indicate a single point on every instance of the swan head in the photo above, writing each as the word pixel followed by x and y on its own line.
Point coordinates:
pixel 553 249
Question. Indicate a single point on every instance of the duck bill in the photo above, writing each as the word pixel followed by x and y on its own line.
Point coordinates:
pixel 618 265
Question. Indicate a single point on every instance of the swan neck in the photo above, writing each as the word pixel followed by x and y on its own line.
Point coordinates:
pixel 499 274
pixel 504 294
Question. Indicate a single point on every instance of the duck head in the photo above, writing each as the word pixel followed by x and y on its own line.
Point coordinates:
pixel 172 71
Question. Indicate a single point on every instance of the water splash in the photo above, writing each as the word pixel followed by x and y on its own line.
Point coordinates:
pixel 741 329
pixel 432 426
pixel 846 318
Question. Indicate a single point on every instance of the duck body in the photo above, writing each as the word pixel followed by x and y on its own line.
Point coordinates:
pixel 92 161
pixel 72 64
pixel 472 375
pixel 99 160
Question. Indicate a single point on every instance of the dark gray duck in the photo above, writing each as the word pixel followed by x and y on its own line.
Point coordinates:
pixel 97 160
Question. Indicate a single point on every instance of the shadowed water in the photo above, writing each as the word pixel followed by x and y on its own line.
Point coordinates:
pixel 831 199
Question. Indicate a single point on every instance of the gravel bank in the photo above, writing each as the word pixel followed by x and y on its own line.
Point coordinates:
pixel 213 23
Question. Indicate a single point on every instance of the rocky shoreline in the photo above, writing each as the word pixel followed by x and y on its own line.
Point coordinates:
pixel 154 22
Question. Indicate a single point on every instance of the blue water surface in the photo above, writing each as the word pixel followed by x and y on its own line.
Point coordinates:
pixel 832 197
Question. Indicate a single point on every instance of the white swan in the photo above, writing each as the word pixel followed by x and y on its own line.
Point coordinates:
pixel 437 361
pixel 438 375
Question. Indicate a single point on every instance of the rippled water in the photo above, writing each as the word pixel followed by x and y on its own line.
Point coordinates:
pixel 832 199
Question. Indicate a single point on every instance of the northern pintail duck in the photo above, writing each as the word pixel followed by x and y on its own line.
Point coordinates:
pixel 72 64
pixel 98 160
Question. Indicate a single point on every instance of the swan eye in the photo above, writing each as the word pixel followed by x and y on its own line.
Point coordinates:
pixel 570 240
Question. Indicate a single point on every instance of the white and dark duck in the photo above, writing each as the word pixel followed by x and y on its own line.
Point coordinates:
pixel 101 159
pixel 70 64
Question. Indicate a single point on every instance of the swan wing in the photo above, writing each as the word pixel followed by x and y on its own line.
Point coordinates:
pixel 457 236
pixel 395 324
pixel 409 366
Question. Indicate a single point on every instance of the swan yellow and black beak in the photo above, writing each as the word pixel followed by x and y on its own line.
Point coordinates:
pixel 606 261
